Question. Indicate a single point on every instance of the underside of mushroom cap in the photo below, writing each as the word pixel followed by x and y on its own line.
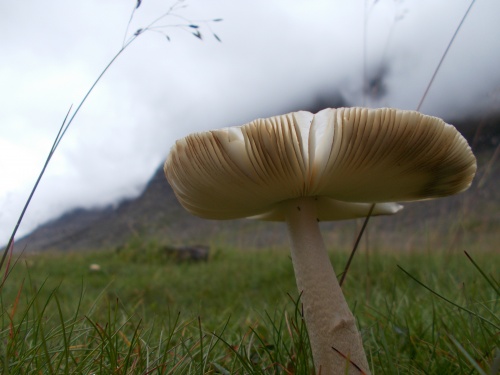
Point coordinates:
pixel 347 158
pixel 328 209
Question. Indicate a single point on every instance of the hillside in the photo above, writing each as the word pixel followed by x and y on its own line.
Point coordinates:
pixel 156 215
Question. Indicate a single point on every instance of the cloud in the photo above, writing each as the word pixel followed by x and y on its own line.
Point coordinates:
pixel 274 57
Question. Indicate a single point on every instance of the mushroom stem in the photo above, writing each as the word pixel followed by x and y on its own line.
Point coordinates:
pixel 335 340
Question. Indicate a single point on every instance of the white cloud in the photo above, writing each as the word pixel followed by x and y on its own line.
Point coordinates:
pixel 274 56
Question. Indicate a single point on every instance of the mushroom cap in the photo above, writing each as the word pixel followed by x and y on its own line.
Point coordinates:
pixel 346 158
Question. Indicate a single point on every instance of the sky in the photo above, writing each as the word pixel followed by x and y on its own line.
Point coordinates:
pixel 273 57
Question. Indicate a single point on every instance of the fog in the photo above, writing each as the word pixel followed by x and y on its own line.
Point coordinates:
pixel 273 57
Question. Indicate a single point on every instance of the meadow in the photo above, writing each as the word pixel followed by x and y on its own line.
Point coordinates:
pixel 424 310
pixel 420 312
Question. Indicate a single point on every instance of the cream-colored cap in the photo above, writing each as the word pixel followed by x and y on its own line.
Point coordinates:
pixel 346 158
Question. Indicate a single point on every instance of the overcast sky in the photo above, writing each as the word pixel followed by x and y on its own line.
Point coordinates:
pixel 275 57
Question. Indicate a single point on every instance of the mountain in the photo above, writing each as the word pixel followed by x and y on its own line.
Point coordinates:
pixel 156 216
pixel 153 215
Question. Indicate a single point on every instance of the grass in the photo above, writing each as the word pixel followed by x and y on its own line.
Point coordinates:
pixel 238 313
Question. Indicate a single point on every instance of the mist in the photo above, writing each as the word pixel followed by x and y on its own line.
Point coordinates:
pixel 272 58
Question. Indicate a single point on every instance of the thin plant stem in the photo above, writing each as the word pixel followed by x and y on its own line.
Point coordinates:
pixel 444 56
pixel 10 244
pixel 419 106
pixel 62 131
pixel 356 244
pixel 70 117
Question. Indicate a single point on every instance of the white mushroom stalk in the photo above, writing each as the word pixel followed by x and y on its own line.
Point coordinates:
pixel 330 323
pixel 303 168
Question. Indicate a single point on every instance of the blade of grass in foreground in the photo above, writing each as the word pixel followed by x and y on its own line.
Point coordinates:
pixel 495 287
pixel 447 300
pixel 466 355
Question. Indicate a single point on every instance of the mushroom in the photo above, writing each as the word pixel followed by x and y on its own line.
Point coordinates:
pixel 303 168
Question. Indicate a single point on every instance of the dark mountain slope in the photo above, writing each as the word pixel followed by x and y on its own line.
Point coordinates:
pixel 155 214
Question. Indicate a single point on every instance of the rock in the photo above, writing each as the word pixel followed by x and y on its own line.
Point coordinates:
pixel 194 253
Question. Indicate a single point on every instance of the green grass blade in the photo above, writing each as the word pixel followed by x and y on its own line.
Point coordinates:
pixel 447 300
pixel 497 290
pixel 467 355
